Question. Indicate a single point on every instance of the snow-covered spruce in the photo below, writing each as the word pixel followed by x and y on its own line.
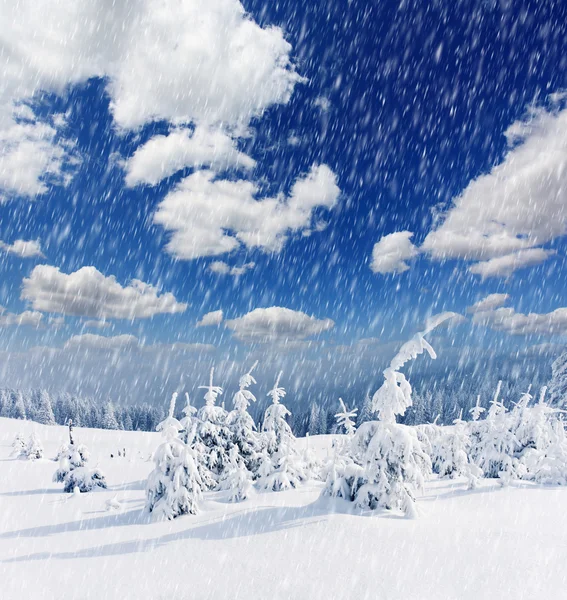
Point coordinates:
pixel 449 453
pixel 386 461
pixel 286 464
pixel 346 419
pixel 558 383
pixel 34 448
pixel 73 472
pixel 241 424
pixel 174 487
pixel 213 438
pixel 170 422
pixel 18 446
pixel 236 478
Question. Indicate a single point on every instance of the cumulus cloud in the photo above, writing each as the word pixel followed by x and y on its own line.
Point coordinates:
pixel 277 323
pixel 97 324
pixel 28 317
pixel 91 341
pixel 180 348
pixel 504 266
pixel 22 248
pixel 88 293
pixel 391 252
pixel 162 59
pixel 520 204
pixel 128 342
pixel 208 216
pixel 211 318
pixel 164 155
pixel 31 157
pixel 184 62
pixel 221 268
pixel 490 313
pixel 491 302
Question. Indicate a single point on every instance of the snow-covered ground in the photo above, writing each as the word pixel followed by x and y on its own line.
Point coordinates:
pixel 489 543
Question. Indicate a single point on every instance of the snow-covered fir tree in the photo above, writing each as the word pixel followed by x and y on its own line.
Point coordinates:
pixel 18 446
pixel 281 445
pixel 477 410
pixel 213 437
pixel 236 478
pixel 450 453
pixel 346 419
pixel 45 410
pixel 73 471
pixel 34 448
pixel 365 413
pixel 558 384
pixel 109 420
pixel 189 419
pixel 174 487
pixel 314 424
pixel 387 462
pixel 170 422
pixel 241 424
pixel 19 407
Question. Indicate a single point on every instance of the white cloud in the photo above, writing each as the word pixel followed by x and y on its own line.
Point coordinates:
pixel 277 323
pixel 323 103
pixel 180 348
pixel 209 216
pixel 28 317
pixel 491 302
pixel 184 62
pixel 97 324
pixel 31 157
pixel 22 248
pixel 164 155
pixel 221 268
pixel 91 341
pixel 490 313
pixel 504 266
pixel 88 293
pixel 391 252
pixel 56 322
pixel 519 204
pixel 162 59
pixel 211 318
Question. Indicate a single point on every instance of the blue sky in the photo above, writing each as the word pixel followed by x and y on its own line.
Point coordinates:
pixel 360 120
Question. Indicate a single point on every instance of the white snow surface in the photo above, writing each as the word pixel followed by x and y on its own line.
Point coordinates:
pixel 489 543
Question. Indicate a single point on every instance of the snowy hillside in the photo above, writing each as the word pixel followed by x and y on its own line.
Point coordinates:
pixel 489 543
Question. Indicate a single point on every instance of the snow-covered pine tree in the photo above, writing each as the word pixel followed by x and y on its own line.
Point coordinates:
pixel 73 472
pixel 18 446
pixel 477 410
pixel 236 478
pixel 365 413
pixel 345 419
pixel 314 425
pixel 109 420
pixel 174 487
pixel 189 419
pixel 393 461
pixel 19 406
pixel 558 384
pixel 170 422
pixel 281 445
pixel 242 425
pixel 214 439
pixel 34 449
pixel 44 410
pixel 450 455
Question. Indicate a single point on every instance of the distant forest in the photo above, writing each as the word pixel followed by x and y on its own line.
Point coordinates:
pixel 431 400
